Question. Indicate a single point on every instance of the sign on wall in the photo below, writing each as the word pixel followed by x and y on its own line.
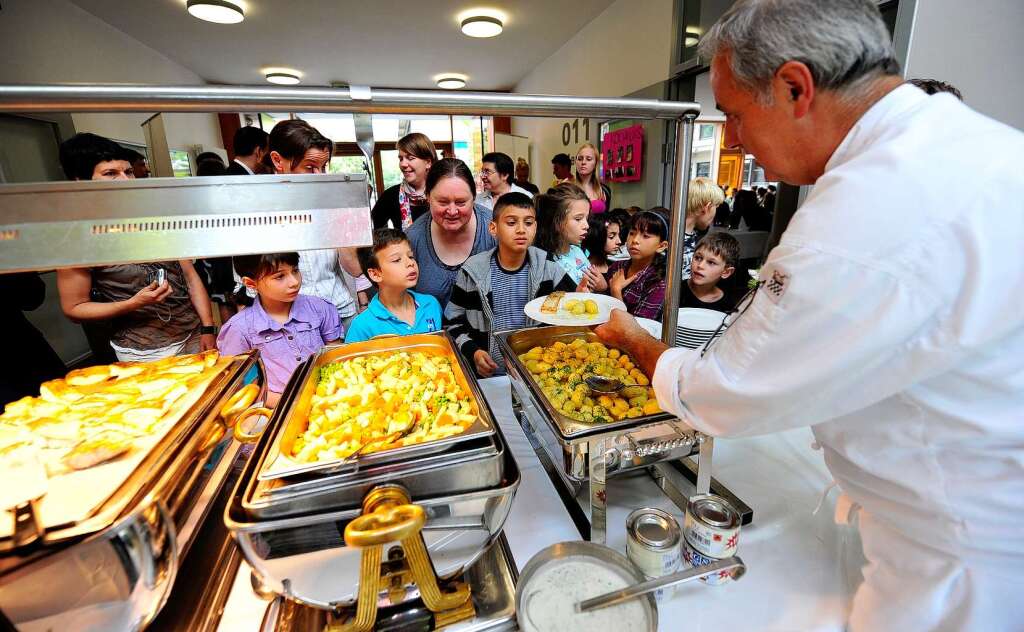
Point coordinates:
pixel 622 154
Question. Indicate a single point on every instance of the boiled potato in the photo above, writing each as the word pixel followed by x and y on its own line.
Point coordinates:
pixel 591 306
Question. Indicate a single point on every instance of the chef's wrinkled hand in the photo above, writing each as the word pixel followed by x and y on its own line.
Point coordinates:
pixel 621 331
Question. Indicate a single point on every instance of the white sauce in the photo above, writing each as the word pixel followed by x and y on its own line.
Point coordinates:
pixel 550 605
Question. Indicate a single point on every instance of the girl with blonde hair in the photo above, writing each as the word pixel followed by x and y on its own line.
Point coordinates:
pixel 587 178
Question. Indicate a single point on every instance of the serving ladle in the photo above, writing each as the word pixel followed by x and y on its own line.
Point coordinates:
pixel 603 385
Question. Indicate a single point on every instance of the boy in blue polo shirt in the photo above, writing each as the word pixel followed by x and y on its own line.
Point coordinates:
pixel 390 265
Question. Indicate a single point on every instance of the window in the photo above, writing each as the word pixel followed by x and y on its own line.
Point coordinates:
pixel 706 132
pixel 702 170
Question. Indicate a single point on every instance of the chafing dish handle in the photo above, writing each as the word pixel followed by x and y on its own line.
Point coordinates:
pixel 388 523
pixel 237 403
pixel 250 437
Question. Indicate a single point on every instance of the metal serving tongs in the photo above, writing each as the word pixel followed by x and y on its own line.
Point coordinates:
pixel 734 566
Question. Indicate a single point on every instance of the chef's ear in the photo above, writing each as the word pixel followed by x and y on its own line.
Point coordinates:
pixel 795 84
pixel 727 272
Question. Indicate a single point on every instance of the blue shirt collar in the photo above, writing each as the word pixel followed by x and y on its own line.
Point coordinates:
pixel 382 313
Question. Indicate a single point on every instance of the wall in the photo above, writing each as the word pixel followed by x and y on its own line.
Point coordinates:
pixel 57 42
pixel 627 48
pixel 977 47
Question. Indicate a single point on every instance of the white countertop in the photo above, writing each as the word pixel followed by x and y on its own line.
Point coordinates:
pixel 801 568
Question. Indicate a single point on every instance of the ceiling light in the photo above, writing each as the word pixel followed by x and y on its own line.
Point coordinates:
pixel 451 82
pixel 482 26
pixel 692 38
pixel 283 78
pixel 219 11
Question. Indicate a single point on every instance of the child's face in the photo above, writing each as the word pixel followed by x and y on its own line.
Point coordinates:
pixel 514 229
pixel 707 268
pixel 281 285
pixel 644 245
pixel 705 216
pixel 574 227
pixel 398 268
pixel 614 240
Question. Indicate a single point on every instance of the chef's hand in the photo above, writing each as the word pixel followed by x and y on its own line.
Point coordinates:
pixel 207 342
pixel 151 295
pixel 623 332
pixel 485 364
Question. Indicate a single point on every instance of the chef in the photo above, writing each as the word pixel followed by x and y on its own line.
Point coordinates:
pixel 890 317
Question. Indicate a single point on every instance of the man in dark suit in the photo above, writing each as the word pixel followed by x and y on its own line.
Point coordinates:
pixel 250 144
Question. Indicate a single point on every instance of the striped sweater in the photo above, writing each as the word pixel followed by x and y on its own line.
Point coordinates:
pixel 469 313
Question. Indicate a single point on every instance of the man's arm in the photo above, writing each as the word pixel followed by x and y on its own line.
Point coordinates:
pixel 75 284
pixel 623 332
pixel 201 301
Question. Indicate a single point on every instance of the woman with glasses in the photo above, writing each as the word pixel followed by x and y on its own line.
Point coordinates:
pixel 454 230
pixel 497 178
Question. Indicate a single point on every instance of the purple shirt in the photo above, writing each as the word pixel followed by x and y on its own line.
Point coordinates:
pixel 311 323
pixel 645 296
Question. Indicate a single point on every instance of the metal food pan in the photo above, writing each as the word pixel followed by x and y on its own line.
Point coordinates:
pixel 296 416
pixel 467 470
pixel 516 342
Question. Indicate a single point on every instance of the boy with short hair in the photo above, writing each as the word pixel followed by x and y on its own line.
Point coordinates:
pixel 391 266
pixel 494 286
pixel 715 259
pixel 702 203
pixel 286 327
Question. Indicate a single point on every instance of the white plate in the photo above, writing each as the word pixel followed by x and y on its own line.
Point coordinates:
pixel 699 318
pixel 605 305
pixel 653 327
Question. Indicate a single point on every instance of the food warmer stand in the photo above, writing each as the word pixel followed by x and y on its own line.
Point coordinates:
pixel 98 223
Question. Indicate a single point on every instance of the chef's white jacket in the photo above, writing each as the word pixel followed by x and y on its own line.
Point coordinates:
pixel 891 320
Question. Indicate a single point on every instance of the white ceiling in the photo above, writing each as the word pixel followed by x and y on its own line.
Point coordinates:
pixel 380 43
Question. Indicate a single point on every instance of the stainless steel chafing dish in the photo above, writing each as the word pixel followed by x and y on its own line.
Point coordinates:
pixel 308 535
pixel 585 453
pixel 115 569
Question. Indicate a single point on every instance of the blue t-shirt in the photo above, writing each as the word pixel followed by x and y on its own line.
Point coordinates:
pixel 376 320
pixel 574 262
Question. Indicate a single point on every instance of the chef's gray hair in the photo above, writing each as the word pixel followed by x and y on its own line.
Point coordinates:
pixel 844 43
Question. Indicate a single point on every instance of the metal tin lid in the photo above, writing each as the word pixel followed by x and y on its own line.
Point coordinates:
pixel 653 528
pixel 714 511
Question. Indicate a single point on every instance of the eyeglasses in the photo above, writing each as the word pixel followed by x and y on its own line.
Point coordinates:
pixel 741 308
pixel 487 172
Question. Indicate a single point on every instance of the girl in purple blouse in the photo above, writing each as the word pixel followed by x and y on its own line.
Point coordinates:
pixel 639 282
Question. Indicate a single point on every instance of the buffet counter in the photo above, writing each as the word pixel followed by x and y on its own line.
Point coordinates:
pixel 802 568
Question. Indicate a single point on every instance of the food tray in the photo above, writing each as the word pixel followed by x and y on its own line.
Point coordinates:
pixel 513 343
pixel 473 466
pixel 296 412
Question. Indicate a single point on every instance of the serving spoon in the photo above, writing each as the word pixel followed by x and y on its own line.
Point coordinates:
pixel 603 385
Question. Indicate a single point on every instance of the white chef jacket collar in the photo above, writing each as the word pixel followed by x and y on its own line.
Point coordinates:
pixel 870 125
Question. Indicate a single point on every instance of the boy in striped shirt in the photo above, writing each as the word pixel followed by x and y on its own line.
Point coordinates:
pixel 494 286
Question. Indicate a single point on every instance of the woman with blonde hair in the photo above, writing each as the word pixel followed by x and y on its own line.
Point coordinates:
pixel 587 179
pixel 701 204
pixel 403 203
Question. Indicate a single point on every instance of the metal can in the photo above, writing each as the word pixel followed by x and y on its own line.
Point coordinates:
pixel 652 544
pixel 694 559
pixel 711 526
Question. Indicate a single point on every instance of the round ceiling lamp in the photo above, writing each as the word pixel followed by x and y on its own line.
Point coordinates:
pixel 451 82
pixel 283 78
pixel 219 11
pixel 482 26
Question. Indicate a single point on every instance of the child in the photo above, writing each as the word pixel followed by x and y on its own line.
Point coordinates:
pixel 621 218
pixel 715 259
pixel 640 281
pixel 602 241
pixel 494 286
pixel 562 219
pixel 701 205
pixel 390 265
pixel 286 327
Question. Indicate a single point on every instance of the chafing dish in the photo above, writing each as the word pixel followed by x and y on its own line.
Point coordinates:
pixel 277 464
pixel 296 530
pixel 586 453
pixel 115 569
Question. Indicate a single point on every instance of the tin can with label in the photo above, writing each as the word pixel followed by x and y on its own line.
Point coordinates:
pixel 711 526
pixel 653 542
pixel 695 559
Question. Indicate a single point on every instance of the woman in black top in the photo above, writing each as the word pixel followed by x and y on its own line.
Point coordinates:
pixel 403 203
